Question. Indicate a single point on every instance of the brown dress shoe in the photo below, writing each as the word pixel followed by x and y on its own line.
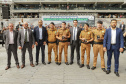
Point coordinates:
pixel 18 66
pixel 22 66
pixel 32 65
pixel 7 67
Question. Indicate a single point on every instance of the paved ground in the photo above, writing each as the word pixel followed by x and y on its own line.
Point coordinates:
pixel 63 74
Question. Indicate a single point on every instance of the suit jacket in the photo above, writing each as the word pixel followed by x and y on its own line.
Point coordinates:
pixel 78 34
pixel 36 34
pixel 123 27
pixel 6 38
pixel 21 38
pixel 119 39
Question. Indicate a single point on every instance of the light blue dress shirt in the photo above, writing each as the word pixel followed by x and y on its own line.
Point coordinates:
pixel 40 33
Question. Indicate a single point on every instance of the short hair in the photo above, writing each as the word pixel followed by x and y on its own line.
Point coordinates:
pixel 40 20
pixel 113 20
pixel 75 20
pixel 100 22
pixel 64 23
pixel 87 24
pixel 52 23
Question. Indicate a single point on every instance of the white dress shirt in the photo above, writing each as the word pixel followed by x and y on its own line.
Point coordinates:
pixel 27 35
pixel 11 39
pixel 113 36
pixel 75 29
pixel 122 25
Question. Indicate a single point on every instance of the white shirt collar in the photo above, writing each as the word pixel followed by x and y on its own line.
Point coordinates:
pixel 113 29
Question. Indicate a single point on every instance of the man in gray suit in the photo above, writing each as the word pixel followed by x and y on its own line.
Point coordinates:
pixel 122 26
pixel 10 38
pixel 26 41
pixel 74 42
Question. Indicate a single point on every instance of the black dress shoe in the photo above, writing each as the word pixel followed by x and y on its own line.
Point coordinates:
pixel 7 67
pixel 71 63
pixel 78 63
pixel 67 63
pixel 56 63
pixel 88 67
pixel 82 65
pixel 108 71
pixel 104 69
pixel 59 63
pixel 93 68
pixel 36 63
pixel 44 63
pixel 49 62
pixel 117 74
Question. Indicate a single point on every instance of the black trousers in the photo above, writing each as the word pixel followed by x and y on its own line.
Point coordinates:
pixel 40 45
pixel 11 50
pixel 75 44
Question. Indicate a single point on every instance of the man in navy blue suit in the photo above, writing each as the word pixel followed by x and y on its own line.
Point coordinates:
pixel 113 43
pixel 40 34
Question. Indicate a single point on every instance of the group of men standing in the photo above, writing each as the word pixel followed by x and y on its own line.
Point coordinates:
pixel 110 40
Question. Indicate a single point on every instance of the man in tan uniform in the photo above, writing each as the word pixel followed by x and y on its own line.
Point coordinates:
pixel 62 35
pixel 86 37
pixel 98 45
pixel 52 43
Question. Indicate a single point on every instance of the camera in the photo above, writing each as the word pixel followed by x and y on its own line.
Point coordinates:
pixel 63 37
pixel 85 40
pixel 98 37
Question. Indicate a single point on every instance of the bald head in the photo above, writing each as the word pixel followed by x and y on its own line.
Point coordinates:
pixel 11 26
pixel 25 25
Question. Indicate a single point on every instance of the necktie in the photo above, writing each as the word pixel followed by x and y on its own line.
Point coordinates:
pixel 25 35
pixel 74 32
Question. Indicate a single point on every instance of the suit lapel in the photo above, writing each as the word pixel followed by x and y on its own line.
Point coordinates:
pixel 37 30
pixel 8 35
pixel 22 33
pixel 72 31
pixel 116 33
pixel 77 29
pixel 110 35
pixel 29 32
pixel 13 33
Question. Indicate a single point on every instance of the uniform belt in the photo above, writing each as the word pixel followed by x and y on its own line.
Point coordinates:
pixel 40 39
pixel 98 42
pixel 63 41
pixel 51 42
pixel 85 43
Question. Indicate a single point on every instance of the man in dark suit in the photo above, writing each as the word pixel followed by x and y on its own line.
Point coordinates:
pixel 26 41
pixel 122 26
pixel 40 34
pixel 10 37
pixel 113 42
pixel 74 41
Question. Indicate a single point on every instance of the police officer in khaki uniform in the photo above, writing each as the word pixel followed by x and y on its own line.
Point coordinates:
pixel 52 43
pixel 98 35
pixel 62 35
pixel 86 37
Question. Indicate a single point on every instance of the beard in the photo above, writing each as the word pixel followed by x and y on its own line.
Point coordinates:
pixel 113 26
